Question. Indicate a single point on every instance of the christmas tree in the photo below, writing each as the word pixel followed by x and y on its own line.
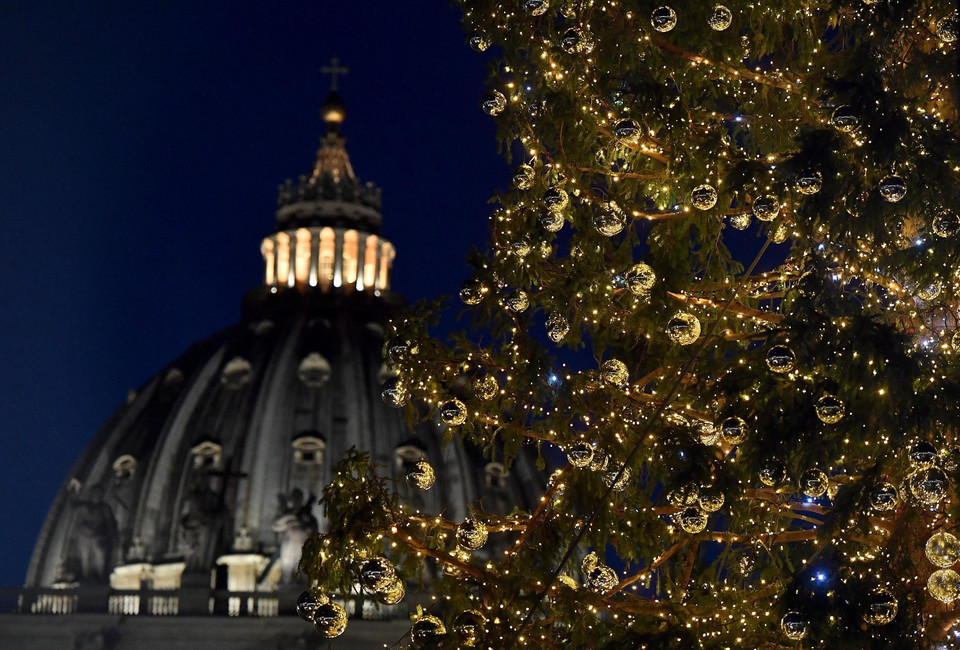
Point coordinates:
pixel 720 305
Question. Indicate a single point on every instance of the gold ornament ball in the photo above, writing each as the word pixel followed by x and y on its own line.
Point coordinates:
pixel 845 119
pixel 536 7
pixel 308 602
pixel 617 484
pixel 703 197
pixel 711 498
pixel 946 224
pixel 471 534
pixel 685 496
pixel 426 629
pixel 892 188
pixel 880 607
pixel 602 578
pixel 485 386
pixel 766 208
pixel 830 409
pixel 393 393
pixel 781 234
pixel 615 372
pixel 720 18
pixel 523 177
pixel 589 561
pixel 772 472
pixel 494 103
pixel 330 620
pixel 734 430
pixel 947 29
pixel 580 454
pixel 377 574
pixel 520 248
pixel 740 221
pixel 943 549
pixel 683 328
pixel 781 359
pixel 944 585
pixel 923 454
pixel 421 476
pixel 392 593
pixel 663 19
pixel 708 433
pixel 557 326
pixel 479 42
pixel 884 497
pixel 640 278
pixel 556 199
pixel 929 485
pixel 795 626
pixel 813 483
pixel 929 292
pixel 573 40
pixel 610 219
pixel 809 182
pixel 551 221
pixel 516 301
pixel 955 341
pixel 472 291
pixel 453 412
pixel 627 131
pixel 469 627
pixel 693 520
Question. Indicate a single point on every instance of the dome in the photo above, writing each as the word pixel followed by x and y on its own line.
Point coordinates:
pixel 208 476
pixel 239 432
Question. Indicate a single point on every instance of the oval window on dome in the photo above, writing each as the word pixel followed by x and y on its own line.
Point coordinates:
pixel 308 448
pixel 236 374
pixel 173 377
pixel 407 454
pixel 207 454
pixel 496 475
pixel 124 468
pixel 314 371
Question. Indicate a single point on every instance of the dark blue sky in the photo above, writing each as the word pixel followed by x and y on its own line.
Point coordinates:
pixel 140 147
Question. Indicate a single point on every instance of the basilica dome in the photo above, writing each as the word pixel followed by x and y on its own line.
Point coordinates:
pixel 208 476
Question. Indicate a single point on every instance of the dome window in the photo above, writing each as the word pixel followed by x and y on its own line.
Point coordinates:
pixel 407 454
pixel 124 468
pixel 236 374
pixel 207 455
pixel 174 377
pixel 314 370
pixel 308 449
pixel 496 476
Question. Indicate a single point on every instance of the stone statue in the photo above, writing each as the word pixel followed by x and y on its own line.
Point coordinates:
pixel 93 538
pixel 295 524
pixel 199 514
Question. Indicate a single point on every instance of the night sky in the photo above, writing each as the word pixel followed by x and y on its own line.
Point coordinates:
pixel 141 145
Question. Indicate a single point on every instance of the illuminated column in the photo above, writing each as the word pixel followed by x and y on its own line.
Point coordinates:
pixel 370 263
pixel 270 272
pixel 283 258
pixel 327 251
pixel 338 260
pixel 361 260
pixel 301 260
pixel 386 257
pixel 349 260
pixel 314 256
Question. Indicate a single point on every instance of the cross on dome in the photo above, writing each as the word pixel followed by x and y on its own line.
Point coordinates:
pixel 333 70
